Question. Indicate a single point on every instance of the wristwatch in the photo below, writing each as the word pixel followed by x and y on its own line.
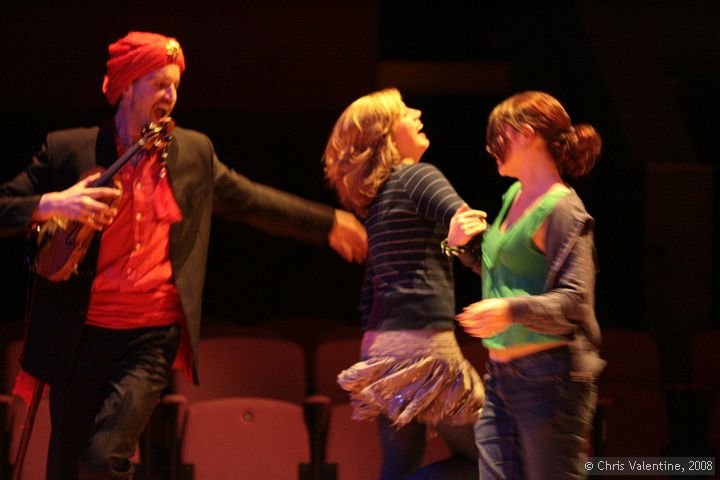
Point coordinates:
pixel 452 251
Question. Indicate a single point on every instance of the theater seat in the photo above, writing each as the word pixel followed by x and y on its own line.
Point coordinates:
pixel 239 366
pixel 245 438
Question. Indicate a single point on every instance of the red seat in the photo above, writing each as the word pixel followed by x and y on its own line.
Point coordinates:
pixel 331 357
pixel 240 366
pixel 353 446
pixel 236 368
pixel 248 438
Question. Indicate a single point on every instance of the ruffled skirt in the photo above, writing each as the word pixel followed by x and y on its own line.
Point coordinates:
pixel 411 375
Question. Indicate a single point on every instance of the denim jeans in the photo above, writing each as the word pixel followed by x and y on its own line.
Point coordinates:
pixel 98 415
pixel 536 418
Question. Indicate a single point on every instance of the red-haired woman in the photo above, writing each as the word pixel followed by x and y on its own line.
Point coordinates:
pixel 537 315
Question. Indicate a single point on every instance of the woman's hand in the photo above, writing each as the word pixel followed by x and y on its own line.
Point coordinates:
pixel 465 224
pixel 486 318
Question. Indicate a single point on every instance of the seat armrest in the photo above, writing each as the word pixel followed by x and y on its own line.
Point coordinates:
pixel 160 442
pixel 317 416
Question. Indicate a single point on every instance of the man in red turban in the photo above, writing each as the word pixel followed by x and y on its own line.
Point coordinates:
pixel 106 339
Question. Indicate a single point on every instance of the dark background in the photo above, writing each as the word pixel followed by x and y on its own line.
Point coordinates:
pixel 266 79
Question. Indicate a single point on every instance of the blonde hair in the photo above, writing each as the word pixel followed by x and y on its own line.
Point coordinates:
pixel 575 148
pixel 360 153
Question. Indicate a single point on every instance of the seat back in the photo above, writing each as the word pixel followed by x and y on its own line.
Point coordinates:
pixel 330 358
pixel 248 438
pixel 240 366
pixel 353 446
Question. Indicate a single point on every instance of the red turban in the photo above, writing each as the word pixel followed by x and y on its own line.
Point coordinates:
pixel 136 55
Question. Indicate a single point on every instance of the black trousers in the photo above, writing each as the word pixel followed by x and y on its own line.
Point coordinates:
pixel 99 413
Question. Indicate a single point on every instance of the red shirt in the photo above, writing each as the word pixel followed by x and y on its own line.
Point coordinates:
pixel 133 286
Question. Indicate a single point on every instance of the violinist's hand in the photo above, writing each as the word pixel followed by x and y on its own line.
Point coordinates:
pixel 486 318
pixel 348 237
pixel 80 203
pixel 465 224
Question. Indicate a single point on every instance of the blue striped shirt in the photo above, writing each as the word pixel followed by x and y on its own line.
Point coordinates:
pixel 408 280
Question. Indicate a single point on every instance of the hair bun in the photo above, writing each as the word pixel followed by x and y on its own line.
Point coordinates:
pixel 584 146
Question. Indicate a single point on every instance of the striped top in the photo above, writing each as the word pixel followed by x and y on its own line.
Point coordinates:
pixel 408 280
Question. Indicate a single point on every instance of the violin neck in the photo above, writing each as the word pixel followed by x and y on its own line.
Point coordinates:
pixel 108 174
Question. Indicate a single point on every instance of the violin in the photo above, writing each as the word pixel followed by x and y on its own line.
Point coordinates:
pixel 62 243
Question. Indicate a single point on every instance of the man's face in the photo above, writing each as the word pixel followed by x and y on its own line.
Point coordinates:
pixel 152 97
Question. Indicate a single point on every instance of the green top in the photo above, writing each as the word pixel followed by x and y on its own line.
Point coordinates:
pixel 513 265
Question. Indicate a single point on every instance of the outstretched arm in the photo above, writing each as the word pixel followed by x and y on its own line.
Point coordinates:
pixel 433 195
pixel 280 213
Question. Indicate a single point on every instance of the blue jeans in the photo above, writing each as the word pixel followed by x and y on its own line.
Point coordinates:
pixel 536 418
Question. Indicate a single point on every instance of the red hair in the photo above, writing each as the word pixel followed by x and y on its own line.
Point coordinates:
pixel 575 148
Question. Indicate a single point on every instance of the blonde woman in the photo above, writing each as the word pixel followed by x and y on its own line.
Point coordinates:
pixel 412 376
